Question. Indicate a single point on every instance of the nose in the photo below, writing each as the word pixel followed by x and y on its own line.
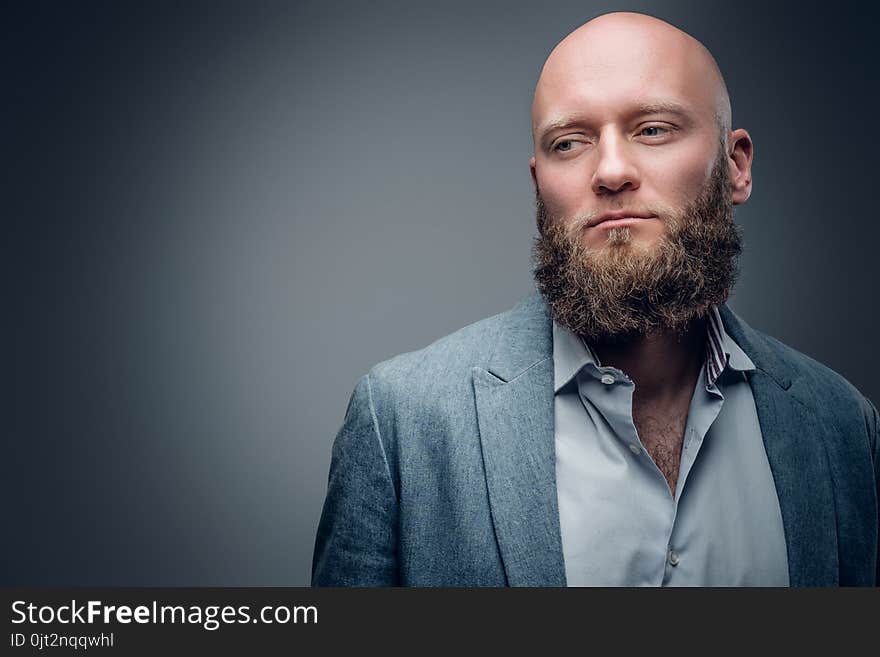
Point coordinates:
pixel 615 172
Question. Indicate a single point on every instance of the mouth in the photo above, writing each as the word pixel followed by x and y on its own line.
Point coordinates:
pixel 621 221
pixel 612 219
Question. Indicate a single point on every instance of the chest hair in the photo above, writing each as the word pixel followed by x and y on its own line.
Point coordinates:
pixel 662 434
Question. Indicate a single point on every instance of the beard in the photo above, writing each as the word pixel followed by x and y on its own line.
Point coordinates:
pixel 620 292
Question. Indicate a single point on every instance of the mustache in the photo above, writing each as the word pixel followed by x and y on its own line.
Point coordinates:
pixel 579 223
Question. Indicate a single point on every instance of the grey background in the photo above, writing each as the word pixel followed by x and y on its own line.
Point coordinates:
pixel 219 216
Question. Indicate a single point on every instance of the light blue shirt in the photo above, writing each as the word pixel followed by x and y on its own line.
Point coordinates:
pixel 620 524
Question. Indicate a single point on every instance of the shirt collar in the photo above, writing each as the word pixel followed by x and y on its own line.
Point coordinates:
pixel 571 354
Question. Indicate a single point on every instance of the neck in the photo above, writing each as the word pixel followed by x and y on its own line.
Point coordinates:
pixel 663 365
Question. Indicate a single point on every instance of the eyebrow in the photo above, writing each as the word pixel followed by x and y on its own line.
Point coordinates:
pixel 665 107
pixel 658 107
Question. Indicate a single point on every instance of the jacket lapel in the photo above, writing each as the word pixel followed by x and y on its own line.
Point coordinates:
pixel 794 438
pixel 514 403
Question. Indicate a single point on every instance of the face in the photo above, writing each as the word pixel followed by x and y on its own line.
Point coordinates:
pixel 635 179
pixel 622 136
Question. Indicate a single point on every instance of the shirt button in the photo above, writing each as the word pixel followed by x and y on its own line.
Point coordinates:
pixel 635 449
pixel 607 379
pixel 673 558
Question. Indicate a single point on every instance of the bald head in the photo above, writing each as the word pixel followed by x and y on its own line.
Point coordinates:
pixel 630 54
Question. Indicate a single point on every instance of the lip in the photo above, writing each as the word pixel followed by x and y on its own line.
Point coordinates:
pixel 621 218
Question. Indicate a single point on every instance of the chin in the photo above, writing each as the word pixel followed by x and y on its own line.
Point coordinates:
pixel 621 241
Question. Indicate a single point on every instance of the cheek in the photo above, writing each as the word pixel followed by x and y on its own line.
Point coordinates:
pixel 678 179
pixel 563 190
pixel 682 184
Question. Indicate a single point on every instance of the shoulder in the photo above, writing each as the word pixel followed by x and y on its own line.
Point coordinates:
pixel 435 384
pixel 818 376
pixel 836 395
pixel 831 393
pixel 446 359
pixel 420 396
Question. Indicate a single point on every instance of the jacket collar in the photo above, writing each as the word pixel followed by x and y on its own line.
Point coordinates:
pixel 758 349
pixel 526 339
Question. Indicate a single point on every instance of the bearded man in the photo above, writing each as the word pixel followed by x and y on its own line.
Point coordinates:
pixel 622 426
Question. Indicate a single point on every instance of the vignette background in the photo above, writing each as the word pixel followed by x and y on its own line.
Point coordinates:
pixel 222 214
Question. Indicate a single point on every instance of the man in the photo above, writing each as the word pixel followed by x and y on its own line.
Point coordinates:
pixel 623 426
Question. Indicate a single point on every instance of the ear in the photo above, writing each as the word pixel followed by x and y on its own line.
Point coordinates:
pixel 739 156
pixel 532 171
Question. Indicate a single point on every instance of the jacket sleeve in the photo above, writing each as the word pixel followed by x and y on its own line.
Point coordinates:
pixel 356 544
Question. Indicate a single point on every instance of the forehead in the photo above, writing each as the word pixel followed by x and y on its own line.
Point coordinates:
pixel 612 74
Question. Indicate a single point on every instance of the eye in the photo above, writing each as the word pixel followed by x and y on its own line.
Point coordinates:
pixel 654 131
pixel 571 144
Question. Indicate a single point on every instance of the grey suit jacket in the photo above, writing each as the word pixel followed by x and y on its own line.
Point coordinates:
pixel 443 473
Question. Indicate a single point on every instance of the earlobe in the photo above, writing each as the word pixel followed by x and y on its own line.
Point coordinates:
pixel 532 170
